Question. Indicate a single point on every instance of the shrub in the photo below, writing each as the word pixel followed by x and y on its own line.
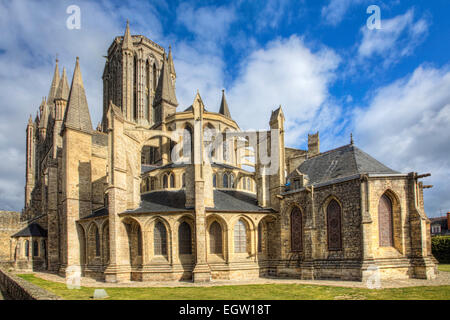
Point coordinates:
pixel 440 247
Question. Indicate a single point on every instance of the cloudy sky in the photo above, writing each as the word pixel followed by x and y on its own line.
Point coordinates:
pixel 390 87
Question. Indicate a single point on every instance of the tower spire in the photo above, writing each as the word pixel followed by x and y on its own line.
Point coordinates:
pixel 166 91
pixel 224 106
pixel 171 65
pixel 127 41
pixel 63 87
pixel 54 85
pixel 77 114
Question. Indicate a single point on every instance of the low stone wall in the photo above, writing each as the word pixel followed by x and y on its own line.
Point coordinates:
pixel 16 288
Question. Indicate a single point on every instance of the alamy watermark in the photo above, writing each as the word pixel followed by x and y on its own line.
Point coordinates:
pixel 74 20
pixel 374 21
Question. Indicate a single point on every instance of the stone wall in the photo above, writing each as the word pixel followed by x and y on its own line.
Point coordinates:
pixel 9 225
pixel 16 288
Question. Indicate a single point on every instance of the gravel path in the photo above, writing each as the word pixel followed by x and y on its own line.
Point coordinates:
pixel 443 278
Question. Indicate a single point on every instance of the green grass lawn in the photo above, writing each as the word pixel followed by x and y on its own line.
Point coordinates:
pixel 247 292
pixel 444 267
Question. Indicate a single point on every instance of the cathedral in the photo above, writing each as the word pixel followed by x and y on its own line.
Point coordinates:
pixel 159 191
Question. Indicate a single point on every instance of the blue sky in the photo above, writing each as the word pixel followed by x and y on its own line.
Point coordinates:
pixel 389 87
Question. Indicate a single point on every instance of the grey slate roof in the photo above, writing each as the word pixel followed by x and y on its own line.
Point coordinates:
pixel 173 201
pixel 32 230
pixel 77 112
pixel 342 162
pixel 224 106
pixel 98 213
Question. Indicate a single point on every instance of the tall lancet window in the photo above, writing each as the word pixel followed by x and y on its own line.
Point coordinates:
pixel 147 90
pixel 135 84
pixel 154 76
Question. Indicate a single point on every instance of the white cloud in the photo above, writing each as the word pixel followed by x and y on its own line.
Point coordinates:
pixel 335 11
pixel 406 126
pixel 285 72
pixel 397 38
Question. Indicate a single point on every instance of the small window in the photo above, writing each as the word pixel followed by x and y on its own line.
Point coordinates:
pixel 260 236
pixel 97 242
pixel 35 248
pixel 172 181
pixel 139 241
pixel 225 180
pixel 27 248
pixel 249 184
pixel 231 180
pixel 165 181
pixel 183 180
pixel 215 238
pixel 214 180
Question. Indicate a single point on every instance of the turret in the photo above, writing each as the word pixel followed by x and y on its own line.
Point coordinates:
pixel 166 100
pixel 30 161
pixel 43 119
pixel 224 106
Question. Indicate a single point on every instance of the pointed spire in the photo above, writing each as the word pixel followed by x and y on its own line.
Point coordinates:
pixel 77 113
pixel 44 114
pixel 63 87
pixel 171 65
pixel 30 120
pixel 54 85
pixel 351 138
pixel 224 106
pixel 127 41
pixel 165 89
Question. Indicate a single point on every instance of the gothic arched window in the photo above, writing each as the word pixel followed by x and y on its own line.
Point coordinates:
pixel 147 89
pixel 165 181
pixel 385 224
pixel 240 237
pixel 27 248
pixel 171 180
pixel 215 238
pixel 184 238
pixel 214 180
pixel 260 236
pixel 135 85
pixel 188 145
pixel 139 241
pixel 296 230
pixel 183 180
pixel 160 239
pixel 249 184
pixel 334 226
pixel 97 242
pixel 35 248
pixel 225 180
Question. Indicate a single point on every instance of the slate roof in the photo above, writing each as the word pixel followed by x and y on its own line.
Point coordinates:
pixel 32 230
pixel 77 113
pixel 149 168
pixel 173 201
pixel 342 162
pixel 98 213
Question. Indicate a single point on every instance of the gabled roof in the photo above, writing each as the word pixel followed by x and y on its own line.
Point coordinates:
pixel 224 106
pixel 32 230
pixel 342 162
pixel 77 112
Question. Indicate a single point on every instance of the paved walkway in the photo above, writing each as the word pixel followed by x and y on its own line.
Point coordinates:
pixel 443 278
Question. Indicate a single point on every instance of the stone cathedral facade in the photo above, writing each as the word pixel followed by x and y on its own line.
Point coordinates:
pixel 113 202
